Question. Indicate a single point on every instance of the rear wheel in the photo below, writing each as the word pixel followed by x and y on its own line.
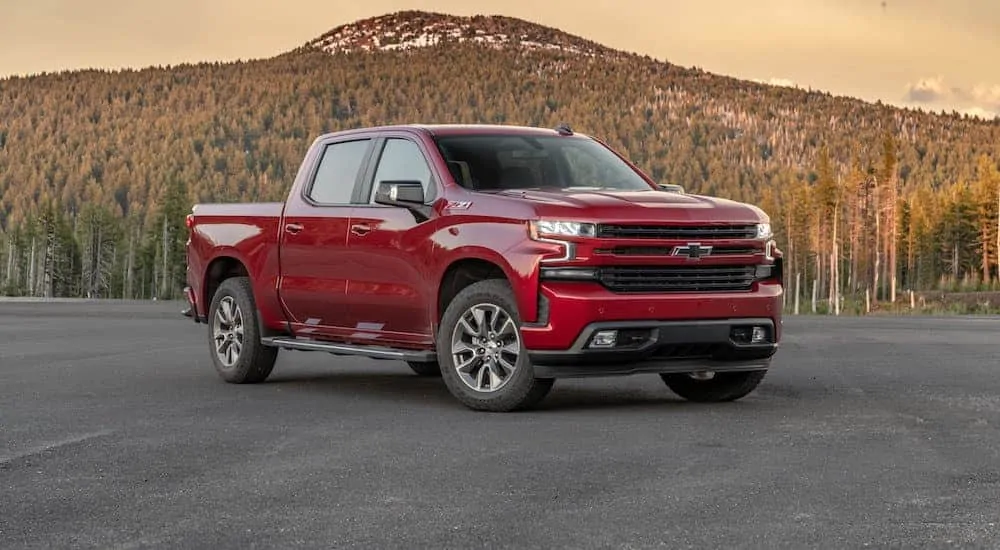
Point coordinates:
pixel 714 387
pixel 237 354
pixel 425 368
pixel 483 361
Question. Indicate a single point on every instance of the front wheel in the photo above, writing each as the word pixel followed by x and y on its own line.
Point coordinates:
pixel 483 361
pixel 714 387
pixel 237 353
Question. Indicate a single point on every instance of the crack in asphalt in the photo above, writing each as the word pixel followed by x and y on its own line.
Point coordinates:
pixel 47 447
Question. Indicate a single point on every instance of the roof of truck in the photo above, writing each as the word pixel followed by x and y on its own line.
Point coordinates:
pixel 466 129
pixel 451 129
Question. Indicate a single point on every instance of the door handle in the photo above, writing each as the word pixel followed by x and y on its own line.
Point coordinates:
pixel 361 229
pixel 293 228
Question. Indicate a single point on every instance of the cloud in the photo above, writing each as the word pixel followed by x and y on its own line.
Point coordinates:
pixel 926 90
pixel 988 96
pixel 980 112
pixel 982 99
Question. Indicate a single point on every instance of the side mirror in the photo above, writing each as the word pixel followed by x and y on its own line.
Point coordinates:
pixel 671 188
pixel 400 193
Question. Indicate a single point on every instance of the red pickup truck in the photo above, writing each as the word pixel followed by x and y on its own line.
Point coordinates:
pixel 497 257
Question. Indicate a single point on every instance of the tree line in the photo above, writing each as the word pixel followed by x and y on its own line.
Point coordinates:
pixel 94 253
pixel 858 235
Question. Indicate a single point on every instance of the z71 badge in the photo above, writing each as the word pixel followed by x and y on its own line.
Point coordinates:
pixel 459 205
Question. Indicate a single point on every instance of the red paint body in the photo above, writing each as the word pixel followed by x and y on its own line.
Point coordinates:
pixel 369 273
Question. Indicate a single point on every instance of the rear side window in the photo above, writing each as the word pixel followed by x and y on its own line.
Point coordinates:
pixel 338 172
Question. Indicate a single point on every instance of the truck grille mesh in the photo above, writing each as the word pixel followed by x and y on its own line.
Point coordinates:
pixel 706 232
pixel 668 250
pixel 626 279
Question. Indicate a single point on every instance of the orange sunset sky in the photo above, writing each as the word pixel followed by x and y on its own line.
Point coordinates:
pixel 938 54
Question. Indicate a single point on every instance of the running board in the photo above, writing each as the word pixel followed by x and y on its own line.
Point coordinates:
pixel 374 352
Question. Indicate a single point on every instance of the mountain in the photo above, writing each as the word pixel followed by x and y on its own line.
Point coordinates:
pixel 98 167
pixel 410 29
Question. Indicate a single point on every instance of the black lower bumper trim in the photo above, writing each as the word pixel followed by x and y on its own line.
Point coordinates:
pixel 662 347
pixel 647 367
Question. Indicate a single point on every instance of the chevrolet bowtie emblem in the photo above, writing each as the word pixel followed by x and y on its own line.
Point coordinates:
pixel 693 251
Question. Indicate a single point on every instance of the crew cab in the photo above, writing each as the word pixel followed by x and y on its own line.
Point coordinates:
pixel 497 257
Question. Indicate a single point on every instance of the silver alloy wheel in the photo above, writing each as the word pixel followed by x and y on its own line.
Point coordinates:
pixel 227 331
pixel 485 346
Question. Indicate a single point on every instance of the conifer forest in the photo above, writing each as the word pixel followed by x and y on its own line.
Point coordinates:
pixel 869 202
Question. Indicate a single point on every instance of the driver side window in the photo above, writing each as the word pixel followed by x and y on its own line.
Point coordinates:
pixel 402 160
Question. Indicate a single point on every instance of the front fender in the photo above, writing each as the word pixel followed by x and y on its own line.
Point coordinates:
pixel 504 244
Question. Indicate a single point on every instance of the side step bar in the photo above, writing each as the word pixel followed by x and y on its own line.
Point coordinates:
pixel 374 352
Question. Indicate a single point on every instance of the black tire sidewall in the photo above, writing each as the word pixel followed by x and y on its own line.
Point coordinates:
pixel 255 361
pixel 726 386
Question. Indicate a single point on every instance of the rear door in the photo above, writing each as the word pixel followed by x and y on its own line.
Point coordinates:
pixel 391 295
pixel 314 273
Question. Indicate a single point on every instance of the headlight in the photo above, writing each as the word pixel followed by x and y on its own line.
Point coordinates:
pixel 764 231
pixel 553 228
pixel 555 232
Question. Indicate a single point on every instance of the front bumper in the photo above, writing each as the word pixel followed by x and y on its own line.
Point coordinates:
pixel 663 347
pixel 667 332
pixel 567 309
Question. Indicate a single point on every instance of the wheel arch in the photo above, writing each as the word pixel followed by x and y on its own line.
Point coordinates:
pixel 461 273
pixel 226 266
pixel 515 266
pixel 222 267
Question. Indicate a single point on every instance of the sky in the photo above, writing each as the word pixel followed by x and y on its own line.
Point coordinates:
pixel 935 54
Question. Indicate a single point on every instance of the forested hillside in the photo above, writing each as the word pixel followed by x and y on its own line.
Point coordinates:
pixel 97 169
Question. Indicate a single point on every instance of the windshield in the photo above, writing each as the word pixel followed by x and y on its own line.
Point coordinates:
pixel 498 162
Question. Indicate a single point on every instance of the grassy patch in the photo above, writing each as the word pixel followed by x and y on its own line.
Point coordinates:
pixel 923 303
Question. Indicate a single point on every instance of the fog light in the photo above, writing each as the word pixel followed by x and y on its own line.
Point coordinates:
pixel 750 334
pixel 631 338
pixel 604 339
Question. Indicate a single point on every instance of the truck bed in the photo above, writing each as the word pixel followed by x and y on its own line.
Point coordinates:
pixel 207 210
pixel 227 234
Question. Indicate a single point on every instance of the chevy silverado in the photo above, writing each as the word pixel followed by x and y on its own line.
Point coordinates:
pixel 499 258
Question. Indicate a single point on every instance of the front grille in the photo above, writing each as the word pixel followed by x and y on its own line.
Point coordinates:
pixel 668 250
pixel 677 231
pixel 628 279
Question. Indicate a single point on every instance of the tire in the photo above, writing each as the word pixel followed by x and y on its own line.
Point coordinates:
pixel 517 388
pixel 723 386
pixel 425 368
pixel 249 362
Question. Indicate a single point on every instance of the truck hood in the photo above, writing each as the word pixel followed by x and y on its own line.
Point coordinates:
pixel 635 206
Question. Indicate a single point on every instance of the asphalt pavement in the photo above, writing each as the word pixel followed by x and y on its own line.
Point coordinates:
pixel 116 433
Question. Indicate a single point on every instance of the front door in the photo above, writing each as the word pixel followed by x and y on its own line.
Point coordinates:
pixel 390 293
pixel 313 236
